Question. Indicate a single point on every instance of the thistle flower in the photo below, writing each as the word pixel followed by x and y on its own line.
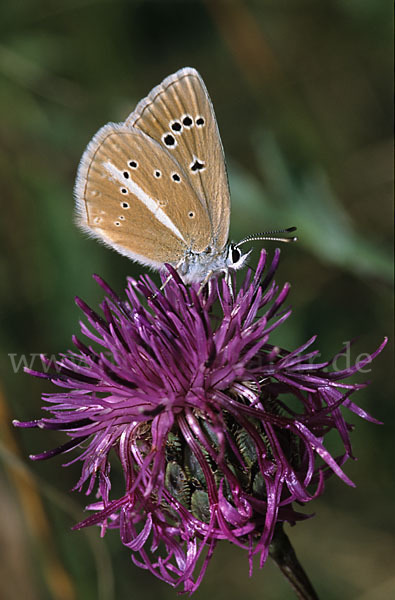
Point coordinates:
pixel 218 432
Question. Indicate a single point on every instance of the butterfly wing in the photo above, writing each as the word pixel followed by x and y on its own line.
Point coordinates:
pixel 133 195
pixel 179 115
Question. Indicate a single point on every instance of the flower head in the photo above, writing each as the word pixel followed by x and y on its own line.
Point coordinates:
pixel 217 431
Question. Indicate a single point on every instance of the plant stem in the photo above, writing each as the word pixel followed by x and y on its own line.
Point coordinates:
pixel 283 554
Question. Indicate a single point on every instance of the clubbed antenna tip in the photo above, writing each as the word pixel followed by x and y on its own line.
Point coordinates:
pixel 269 236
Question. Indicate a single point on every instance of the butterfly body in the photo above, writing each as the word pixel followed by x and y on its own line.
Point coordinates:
pixel 202 265
pixel 155 187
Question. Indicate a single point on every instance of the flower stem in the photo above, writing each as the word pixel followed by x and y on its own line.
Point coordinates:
pixel 283 554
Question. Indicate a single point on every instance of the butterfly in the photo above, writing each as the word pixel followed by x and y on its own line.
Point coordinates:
pixel 155 188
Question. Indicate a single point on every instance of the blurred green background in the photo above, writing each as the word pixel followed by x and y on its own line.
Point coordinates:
pixel 303 97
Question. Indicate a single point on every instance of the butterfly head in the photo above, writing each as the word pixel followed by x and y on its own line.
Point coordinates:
pixel 234 258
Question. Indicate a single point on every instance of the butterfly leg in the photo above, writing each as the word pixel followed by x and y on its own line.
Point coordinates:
pixel 164 284
pixel 205 281
pixel 228 281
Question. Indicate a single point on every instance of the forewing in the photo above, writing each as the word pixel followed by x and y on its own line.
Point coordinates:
pixel 133 195
pixel 179 115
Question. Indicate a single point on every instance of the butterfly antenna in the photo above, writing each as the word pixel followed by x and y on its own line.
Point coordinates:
pixel 270 236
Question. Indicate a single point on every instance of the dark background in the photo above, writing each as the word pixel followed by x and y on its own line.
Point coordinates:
pixel 303 96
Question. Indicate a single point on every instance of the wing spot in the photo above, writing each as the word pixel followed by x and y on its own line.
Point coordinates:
pixel 199 121
pixel 169 140
pixel 197 165
pixel 191 214
pixel 175 177
pixel 126 174
pixel 176 127
pixel 121 218
pixel 117 223
pixel 124 190
pixel 157 174
pixel 187 121
pixel 97 220
pixel 133 164
pixel 125 205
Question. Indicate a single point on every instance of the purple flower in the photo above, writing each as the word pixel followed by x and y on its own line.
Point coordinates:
pixel 218 432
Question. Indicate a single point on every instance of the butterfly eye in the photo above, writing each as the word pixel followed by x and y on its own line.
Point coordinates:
pixel 236 254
